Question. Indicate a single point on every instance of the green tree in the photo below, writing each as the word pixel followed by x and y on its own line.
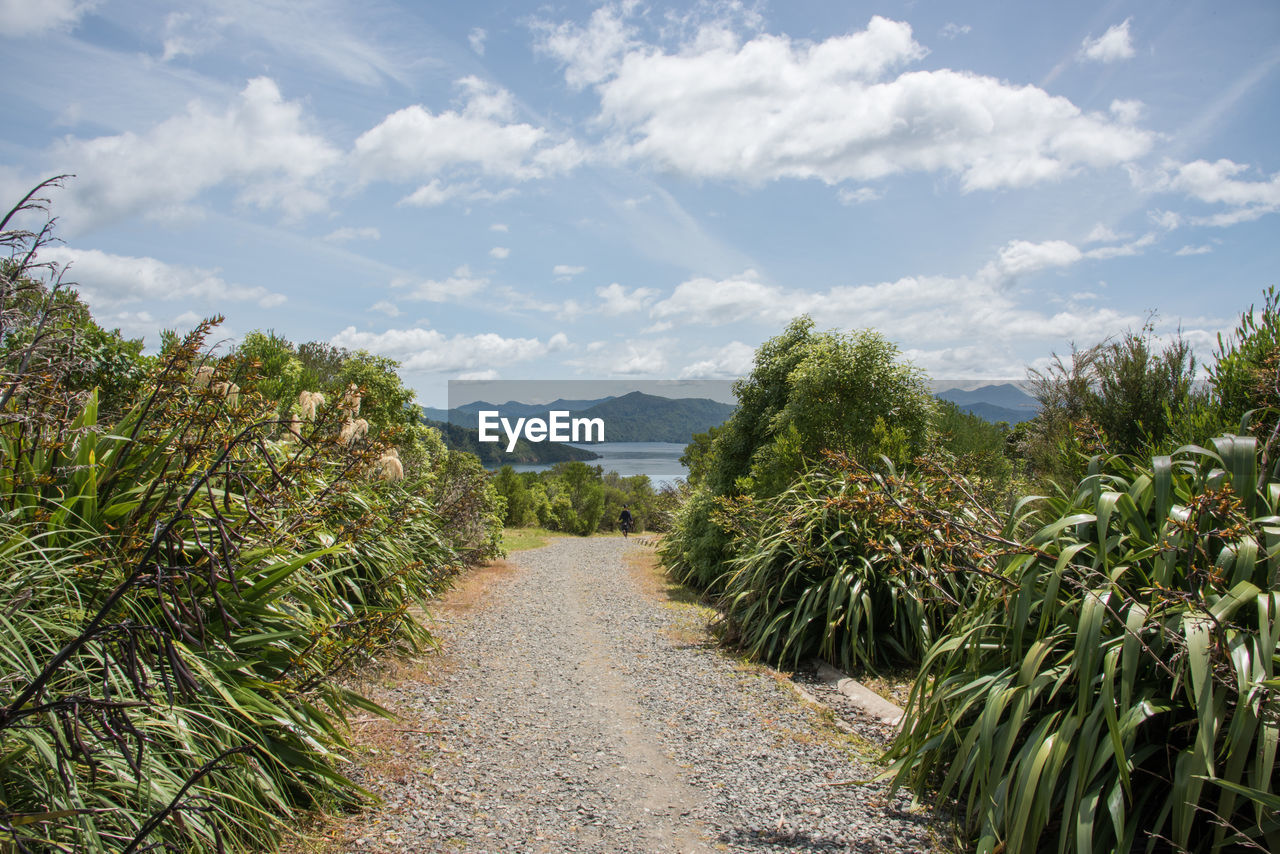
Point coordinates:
pixel 1122 396
pixel 814 392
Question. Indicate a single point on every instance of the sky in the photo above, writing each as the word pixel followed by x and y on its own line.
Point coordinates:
pixel 502 190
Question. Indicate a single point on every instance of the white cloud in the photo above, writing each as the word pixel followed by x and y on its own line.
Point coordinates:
pixel 567 271
pixel 1220 183
pixel 715 302
pixel 1168 220
pixel 29 17
pixel 1115 44
pixel 773 107
pixel 499 252
pixel 499 226
pixel 1128 111
pixel 327 34
pixel 952 30
pixel 732 360
pixel 463 283
pixel 616 300
pixel 390 309
pixel 1133 247
pixel 414 143
pixel 1203 249
pixel 346 233
pixel 431 351
pixel 858 196
pixel 943 314
pixel 477 376
pixel 259 142
pixel 1102 234
pixel 476 38
pixel 187 34
pixel 1021 257
pixel 108 282
pixel 628 358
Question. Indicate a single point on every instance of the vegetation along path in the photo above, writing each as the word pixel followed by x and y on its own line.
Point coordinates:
pixel 578 709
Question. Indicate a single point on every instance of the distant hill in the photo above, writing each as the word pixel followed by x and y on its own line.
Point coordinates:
pixel 640 417
pixel 634 417
pixel 493 454
pixel 995 403
pixel 516 409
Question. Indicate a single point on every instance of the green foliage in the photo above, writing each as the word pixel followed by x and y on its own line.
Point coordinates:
pixel 697 458
pixel 1122 396
pixel 807 394
pixel 1244 372
pixel 185 583
pixel 50 330
pixel 1116 689
pixel 854 566
pixel 576 498
pixel 814 392
pixel 696 547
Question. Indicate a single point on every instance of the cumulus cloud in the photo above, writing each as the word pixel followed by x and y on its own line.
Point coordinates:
pixel 390 309
pixel 415 143
pixel 616 300
pixel 1113 45
pixel 942 314
pixel 259 142
pixel 108 282
pixel 499 252
pixel 347 233
pixel 566 271
pixel 476 38
pixel 839 110
pixel 29 17
pixel 432 351
pixel 1021 257
pixel 463 283
pixel 732 360
pixel 1220 182
pixel 952 30
pixel 1103 234
pixel 719 301
pixel 633 357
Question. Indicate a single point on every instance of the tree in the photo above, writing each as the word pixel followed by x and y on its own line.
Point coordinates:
pixel 814 392
pixel 1122 396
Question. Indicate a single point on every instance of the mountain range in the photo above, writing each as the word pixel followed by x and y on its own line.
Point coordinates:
pixel 634 417
pixel 994 403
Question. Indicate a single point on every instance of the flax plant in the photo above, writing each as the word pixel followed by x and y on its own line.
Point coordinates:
pixel 181 592
pixel 1116 691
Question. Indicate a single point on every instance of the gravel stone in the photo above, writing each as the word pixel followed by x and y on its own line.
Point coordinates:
pixel 574 712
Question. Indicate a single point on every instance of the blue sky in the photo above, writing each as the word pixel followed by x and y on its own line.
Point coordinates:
pixel 575 190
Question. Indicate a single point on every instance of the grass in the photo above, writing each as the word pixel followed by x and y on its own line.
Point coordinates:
pixel 523 539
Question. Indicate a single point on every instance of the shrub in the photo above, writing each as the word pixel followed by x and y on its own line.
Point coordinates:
pixel 859 567
pixel 1116 690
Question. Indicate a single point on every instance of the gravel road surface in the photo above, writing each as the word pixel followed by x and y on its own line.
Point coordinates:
pixel 576 710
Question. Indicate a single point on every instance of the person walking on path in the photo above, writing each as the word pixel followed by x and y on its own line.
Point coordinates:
pixel 624 521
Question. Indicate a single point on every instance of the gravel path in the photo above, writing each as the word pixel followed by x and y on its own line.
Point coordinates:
pixel 578 713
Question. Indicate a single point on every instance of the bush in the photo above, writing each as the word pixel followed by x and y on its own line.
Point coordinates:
pixel 184 582
pixel 1115 688
pixel 861 568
